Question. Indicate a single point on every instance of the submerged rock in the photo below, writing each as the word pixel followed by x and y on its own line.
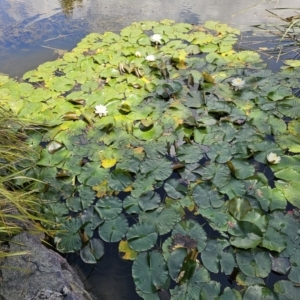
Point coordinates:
pixel 41 274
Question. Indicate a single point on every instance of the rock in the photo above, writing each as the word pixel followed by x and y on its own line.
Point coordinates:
pixel 40 275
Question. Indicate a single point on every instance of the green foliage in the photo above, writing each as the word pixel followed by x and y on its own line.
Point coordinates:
pixel 157 132
pixel 20 206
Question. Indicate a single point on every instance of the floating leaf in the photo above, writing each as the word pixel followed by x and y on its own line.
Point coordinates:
pixel 126 252
pixel 68 239
pixel 205 196
pixel 215 259
pixel 163 218
pixel 245 235
pixel 149 272
pixel 259 292
pixel 294 274
pixel 175 261
pixel 230 294
pixel 280 265
pixel 192 229
pixel 149 200
pixel 160 169
pixel 254 262
pixel 273 240
pixel 270 198
pixel 108 163
pixel 92 174
pixel 286 290
pixel 210 290
pixel 141 237
pixel 219 174
pixel 239 207
pixel 191 289
pixel 242 169
pixel 108 207
pixel 113 230
pixel 175 189
pixel 119 180
pixel 92 252
pixel 291 191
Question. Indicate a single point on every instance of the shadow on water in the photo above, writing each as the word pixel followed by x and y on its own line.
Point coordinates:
pixel 110 278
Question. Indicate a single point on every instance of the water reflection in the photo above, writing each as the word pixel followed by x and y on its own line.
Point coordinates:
pixel 27 25
pixel 67 6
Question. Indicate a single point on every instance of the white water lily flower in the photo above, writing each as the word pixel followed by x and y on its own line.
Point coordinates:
pixel 273 158
pixel 156 38
pixel 150 57
pixel 237 83
pixel 138 54
pixel 101 110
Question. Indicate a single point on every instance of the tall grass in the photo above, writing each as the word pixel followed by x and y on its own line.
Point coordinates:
pixel 19 207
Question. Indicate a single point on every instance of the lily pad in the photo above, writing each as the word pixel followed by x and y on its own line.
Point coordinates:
pixel 108 207
pixel 92 252
pixel 254 262
pixel 141 237
pixel 113 230
pixel 245 235
pixel 149 272
pixel 215 259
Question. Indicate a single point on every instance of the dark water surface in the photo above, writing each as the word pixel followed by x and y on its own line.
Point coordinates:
pixel 32 32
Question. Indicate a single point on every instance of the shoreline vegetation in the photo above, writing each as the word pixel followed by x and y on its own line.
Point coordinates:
pixel 19 206
pixel 131 133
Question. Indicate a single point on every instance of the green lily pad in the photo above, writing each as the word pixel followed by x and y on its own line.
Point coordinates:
pixel 92 252
pixel 141 237
pixel 230 294
pixel 149 272
pixel 239 207
pixel 245 235
pixel 192 229
pixel 215 259
pixel 160 169
pixel 163 218
pixel 210 290
pixel 113 230
pixel 175 261
pixel 294 274
pixel 191 289
pixel 149 201
pixel 259 292
pixel 273 240
pixel 286 290
pixel 119 180
pixel 175 189
pixel 68 240
pixel 206 196
pixel 254 262
pixel 108 207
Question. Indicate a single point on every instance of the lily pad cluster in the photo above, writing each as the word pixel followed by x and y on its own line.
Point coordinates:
pixel 147 135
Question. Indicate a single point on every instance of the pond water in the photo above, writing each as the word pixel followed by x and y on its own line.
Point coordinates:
pixel 31 34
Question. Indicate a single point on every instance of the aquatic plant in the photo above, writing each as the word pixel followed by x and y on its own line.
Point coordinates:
pixel 178 152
